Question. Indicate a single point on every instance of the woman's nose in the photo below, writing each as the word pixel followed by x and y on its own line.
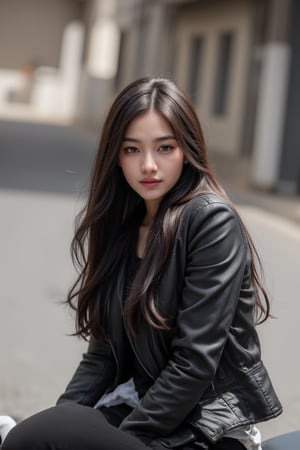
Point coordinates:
pixel 149 163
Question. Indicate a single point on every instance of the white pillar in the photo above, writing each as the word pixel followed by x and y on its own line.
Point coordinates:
pixel 270 115
pixel 70 67
pixel 272 96
pixel 104 42
pixel 102 51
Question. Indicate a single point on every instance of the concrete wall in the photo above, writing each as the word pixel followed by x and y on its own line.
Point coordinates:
pixel 272 96
pixel 133 20
pixel 289 167
pixel 155 40
pixel 98 73
pixel 223 131
pixel 31 30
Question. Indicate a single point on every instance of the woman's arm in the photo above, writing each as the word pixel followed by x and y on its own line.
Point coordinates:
pixel 93 376
pixel 216 259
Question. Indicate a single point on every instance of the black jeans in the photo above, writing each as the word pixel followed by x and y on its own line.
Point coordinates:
pixel 76 427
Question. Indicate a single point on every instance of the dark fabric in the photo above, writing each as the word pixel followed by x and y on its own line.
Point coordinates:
pixel 115 414
pixel 77 427
pixel 71 427
pixel 228 444
pixel 223 444
pixel 132 366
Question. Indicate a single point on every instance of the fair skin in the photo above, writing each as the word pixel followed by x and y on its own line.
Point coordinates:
pixel 152 161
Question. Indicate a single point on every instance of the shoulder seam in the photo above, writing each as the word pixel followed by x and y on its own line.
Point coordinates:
pixel 229 206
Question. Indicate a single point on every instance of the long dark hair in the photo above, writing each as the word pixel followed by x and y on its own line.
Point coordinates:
pixel 114 211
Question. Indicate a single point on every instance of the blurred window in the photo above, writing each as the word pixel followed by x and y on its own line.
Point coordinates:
pixel 224 63
pixel 195 67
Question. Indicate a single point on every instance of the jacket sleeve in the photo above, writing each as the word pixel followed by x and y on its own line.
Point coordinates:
pixel 216 258
pixel 93 376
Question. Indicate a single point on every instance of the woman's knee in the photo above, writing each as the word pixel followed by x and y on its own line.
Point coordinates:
pixel 40 431
pixel 67 427
pixel 32 433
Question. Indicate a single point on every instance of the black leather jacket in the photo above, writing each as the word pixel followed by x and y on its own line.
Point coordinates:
pixel 207 371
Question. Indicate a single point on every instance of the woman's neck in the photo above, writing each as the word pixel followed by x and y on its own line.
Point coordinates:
pixel 147 221
pixel 142 240
pixel 151 209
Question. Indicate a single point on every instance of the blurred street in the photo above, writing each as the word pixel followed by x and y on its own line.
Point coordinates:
pixel 44 172
pixel 43 175
pixel 43 157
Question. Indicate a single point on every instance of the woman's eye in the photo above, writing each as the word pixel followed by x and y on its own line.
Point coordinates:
pixel 131 150
pixel 165 148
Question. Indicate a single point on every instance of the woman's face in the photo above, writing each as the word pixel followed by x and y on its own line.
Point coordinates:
pixel 150 157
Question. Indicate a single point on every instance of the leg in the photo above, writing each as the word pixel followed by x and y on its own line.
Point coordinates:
pixel 223 444
pixel 69 426
pixel 229 444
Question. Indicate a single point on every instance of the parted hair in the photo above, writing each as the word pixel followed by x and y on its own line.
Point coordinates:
pixel 108 224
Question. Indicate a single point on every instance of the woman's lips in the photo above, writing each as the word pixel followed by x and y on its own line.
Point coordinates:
pixel 150 182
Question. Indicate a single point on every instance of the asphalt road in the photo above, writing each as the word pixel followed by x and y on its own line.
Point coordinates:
pixel 44 175
pixel 45 158
pixel 43 172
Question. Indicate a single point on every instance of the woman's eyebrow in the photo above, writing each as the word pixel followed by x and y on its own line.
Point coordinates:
pixel 158 139
pixel 164 138
pixel 130 139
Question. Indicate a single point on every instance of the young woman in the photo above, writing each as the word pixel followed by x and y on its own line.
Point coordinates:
pixel 168 296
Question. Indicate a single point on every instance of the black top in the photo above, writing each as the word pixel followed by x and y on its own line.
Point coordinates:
pixel 132 367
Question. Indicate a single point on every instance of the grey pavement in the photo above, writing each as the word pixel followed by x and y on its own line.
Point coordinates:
pixel 37 354
pixel 277 240
pixel 45 158
pixel 43 172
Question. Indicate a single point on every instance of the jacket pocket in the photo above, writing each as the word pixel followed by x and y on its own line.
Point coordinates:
pixel 215 416
pixel 248 400
pixel 183 435
pixel 263 402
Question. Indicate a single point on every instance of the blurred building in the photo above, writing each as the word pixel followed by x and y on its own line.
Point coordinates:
pixel 238 59
pixel 41 46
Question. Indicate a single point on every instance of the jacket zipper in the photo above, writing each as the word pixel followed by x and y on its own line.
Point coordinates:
pixel 117 364
pixel 107 309
pixel 136 354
